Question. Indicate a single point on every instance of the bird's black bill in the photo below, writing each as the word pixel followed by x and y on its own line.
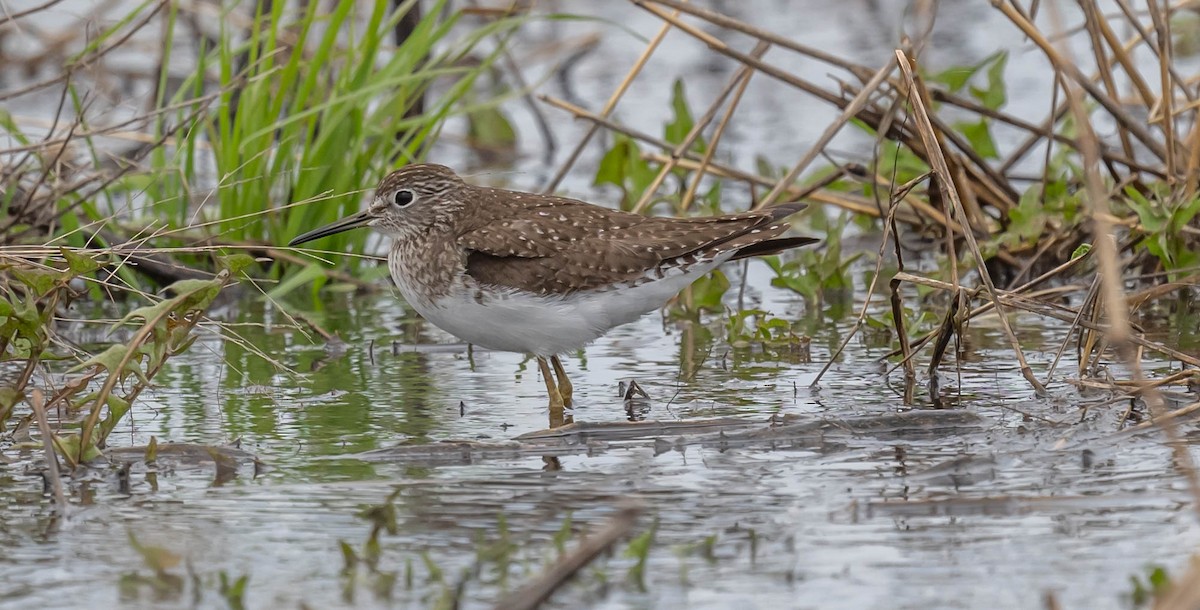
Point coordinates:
pixel 353 221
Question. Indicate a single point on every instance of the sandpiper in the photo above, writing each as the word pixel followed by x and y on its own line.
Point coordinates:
pixel 542 275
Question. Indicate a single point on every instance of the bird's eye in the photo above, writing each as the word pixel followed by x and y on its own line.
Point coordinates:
pixel 403 197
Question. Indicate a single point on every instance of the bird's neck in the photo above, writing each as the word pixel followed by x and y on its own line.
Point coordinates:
pixel 425 265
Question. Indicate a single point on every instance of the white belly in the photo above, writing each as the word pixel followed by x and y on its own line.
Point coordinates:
pixel 546 325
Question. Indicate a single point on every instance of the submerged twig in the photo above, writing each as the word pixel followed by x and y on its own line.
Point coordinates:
pixel 38 403
pixel 532 594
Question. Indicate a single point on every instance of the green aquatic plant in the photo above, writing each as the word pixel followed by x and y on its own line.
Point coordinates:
pixel 639 551
pixel 625 167
pixel 276 108
pixel 1166 229
pixel 166 585
pixel 1148 587
pixel 31 296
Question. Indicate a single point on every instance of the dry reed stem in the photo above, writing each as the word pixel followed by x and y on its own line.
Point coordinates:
pixel 995 188
pixel 702 170
pixel 1112 294
pixel 9 17
pixel 1179 413
pixel 609 106
pixel 117 131
pixel 946 185
pixel 691 162
pixel 724 49
pixel 860 71
pixel 84 62
pixel 850 111
pixel 1184 592
pixel 1062 349
pixel 1060 313
pixel 1162 30
pixel 1092 18
pixel 888 226
pixel 38 403
pixel 725 21
pixel 743 74
pixel 1142 35
pixel 1135 388
pixel 837 199
pixel 1114 108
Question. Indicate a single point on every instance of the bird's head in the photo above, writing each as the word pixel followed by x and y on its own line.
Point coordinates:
pixel 411 200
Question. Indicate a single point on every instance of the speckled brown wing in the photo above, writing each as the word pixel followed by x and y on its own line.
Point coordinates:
pixel 555 245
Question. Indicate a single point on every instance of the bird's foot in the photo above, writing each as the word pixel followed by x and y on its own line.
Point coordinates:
pixel 565 389
pixel 556 398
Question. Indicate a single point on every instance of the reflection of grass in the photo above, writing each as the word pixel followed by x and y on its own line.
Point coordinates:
pixel 497 558
pixel 165 584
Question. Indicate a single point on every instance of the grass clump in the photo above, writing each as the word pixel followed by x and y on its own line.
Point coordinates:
pixel 275 108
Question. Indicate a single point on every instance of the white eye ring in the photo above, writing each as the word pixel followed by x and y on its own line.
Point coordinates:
pixel 403 198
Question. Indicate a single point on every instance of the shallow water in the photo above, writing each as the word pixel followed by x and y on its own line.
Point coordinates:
pixel 986 509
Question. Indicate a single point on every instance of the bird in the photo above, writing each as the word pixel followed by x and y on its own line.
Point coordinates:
pixel 539 274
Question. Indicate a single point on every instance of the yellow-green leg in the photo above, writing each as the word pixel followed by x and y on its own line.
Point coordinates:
pixel 565 389
pixel 556 399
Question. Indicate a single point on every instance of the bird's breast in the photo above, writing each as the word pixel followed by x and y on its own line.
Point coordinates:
pixel 425 269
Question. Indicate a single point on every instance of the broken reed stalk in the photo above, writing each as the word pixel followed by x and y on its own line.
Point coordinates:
pixel 1062 349
pixel 888 226
pixel 533 593
pixel 1022 302
pixel 947 188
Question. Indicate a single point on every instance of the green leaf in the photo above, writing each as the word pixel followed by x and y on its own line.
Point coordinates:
pixel 236 263
pixel 9 397
pixel 1159 580
pixel 307 274
pixel 1082 250
pixel 1149 213
pixel 110 359
pixel 624 167
pixel 189 294
pixel 979 135
pixel 678 128
pixel 708 290
pixel 955 78
pixel 117 408
pixel 79 264
pixel 41 281
pixel 1028 219
pixel 993 96
pixel 488 128
pixel 349 557
pixel 68 447
pixel 611 169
